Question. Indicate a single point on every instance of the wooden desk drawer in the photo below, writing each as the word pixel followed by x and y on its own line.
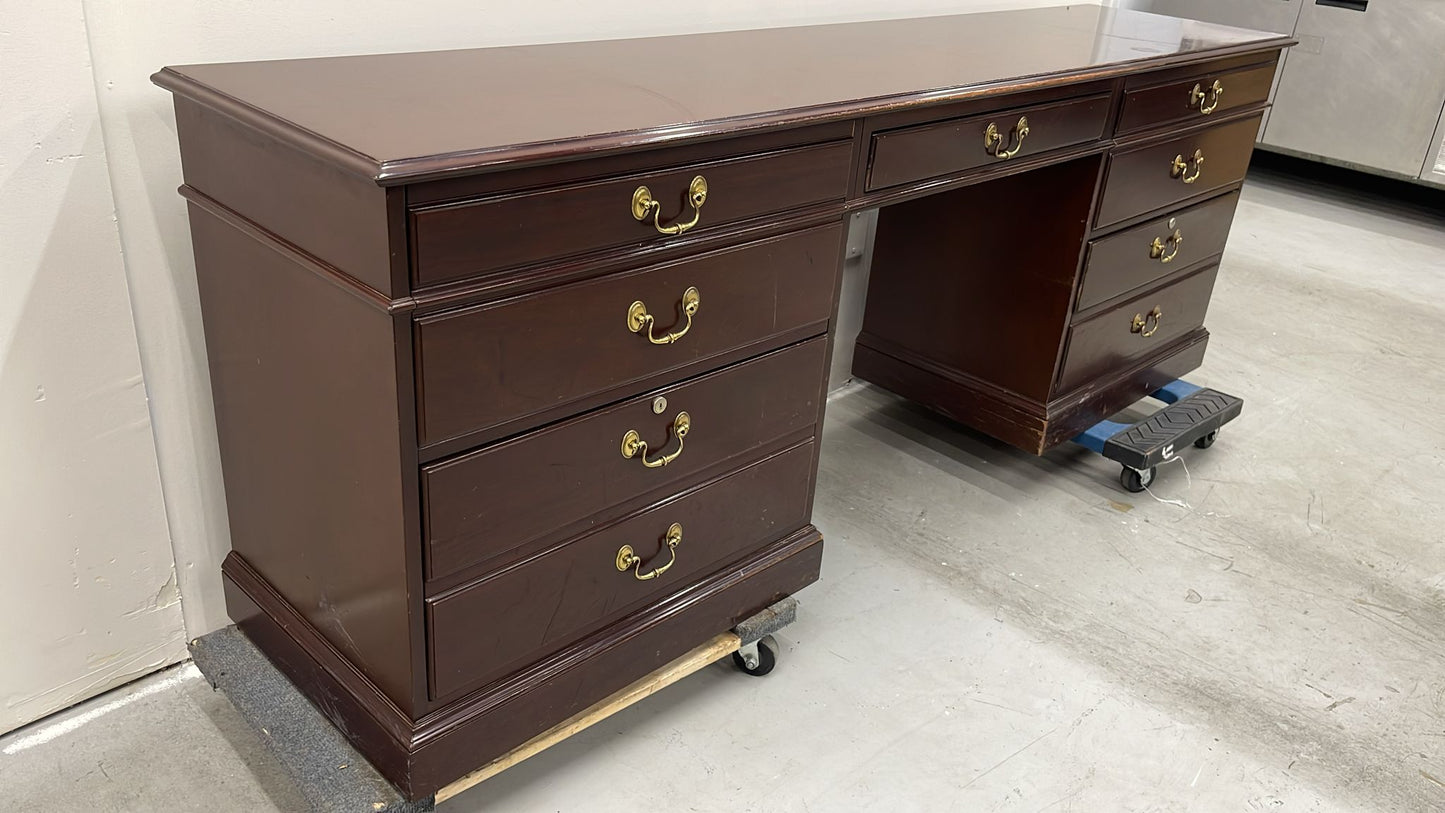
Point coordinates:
pixel 507 620
pixel 1104 343
pixel 479 237
pixel 483 366
pixel 1147 178
pixel 557 481
pixel 1138 256
pixel 1194 96
pixel 926 151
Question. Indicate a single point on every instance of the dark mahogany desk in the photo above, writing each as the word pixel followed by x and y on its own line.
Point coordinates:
pixel 519 354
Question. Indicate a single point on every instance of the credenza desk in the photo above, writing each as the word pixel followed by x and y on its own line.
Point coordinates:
pixel 519 355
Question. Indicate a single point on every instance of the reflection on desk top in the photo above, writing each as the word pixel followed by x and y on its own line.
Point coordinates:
pixel 402 117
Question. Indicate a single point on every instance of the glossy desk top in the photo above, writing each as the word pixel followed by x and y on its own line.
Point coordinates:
pixel 399 117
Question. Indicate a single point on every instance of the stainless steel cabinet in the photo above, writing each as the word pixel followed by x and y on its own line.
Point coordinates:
pixel 1363 87
pixel 1261 15
pixel 1434 169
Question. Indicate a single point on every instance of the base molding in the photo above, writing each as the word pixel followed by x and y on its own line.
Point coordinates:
pixel 422 756
pixel 1033 426
pixel 1073 412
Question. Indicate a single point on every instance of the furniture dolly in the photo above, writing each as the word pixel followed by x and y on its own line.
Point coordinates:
pixel 1193 415
pixel 333 778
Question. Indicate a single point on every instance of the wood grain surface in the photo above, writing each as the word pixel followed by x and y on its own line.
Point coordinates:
pixel 574 98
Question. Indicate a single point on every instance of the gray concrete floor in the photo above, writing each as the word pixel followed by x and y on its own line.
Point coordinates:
pixel 995 631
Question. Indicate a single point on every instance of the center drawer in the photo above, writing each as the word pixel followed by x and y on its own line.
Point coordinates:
pixel 484 366
pixel 494 626
pixel 931 150
pixel 561 480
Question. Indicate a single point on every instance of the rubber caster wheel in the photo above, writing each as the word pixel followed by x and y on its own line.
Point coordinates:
pixel 1135 481
pixel 757 663
pixel 1207 441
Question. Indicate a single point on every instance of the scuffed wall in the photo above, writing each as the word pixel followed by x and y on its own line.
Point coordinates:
pixel 88 592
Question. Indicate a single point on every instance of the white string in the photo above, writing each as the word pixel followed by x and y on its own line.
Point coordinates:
pixel 1189 479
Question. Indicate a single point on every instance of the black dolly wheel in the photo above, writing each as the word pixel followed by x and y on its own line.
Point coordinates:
pixel 1135 481
pixel 766 659
pixel 1208 440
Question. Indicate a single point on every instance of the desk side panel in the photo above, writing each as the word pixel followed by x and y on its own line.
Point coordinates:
pixel 335 215
pixel 304 378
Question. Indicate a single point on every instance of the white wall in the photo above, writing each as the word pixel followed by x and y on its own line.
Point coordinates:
pixel 129 40
pixel 88 594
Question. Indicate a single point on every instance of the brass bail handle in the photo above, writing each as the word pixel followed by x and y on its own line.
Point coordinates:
pixel 1179 168
pixel 1197 97
pixel 627 558
pixel 644 204
pixel 634 446
pixel 993 139
pixel 1141 326
pixel 1164 250
pixel 638 318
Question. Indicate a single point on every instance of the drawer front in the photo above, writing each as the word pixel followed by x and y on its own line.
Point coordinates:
pixel 1146 178
pixel 1101 345
pixel 513 618
pixel 930 150
pixel 482 367
pixel 1200 96
pixel 555 482
pixel 476 238
pixel 1138 256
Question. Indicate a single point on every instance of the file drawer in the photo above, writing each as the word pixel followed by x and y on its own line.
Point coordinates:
pixel 1102 344
pixel 1143 179
pixel 1209 91
pixel 558 480
pixel 1150 251
pixel 484 366
pixel 532 608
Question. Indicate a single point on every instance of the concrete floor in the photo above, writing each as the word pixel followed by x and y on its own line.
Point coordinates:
pixel 995 631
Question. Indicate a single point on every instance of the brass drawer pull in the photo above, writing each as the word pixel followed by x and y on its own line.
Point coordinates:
pixel 993 140
pixel 644 204
pixel 634 446
pixel 1179 168
pixel 627 559
pixel 1166 249
pixel 1197 97
pixel 1141 323
pixel 638 317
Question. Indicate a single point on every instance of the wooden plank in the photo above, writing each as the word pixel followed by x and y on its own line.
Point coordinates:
pixel 702 656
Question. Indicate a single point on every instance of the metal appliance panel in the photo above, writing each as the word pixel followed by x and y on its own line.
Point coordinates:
pixel 1363 88
pixel 1434 169
pixel 1261 15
